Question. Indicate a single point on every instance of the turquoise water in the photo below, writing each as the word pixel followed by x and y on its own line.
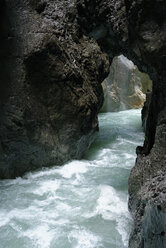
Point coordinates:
pixel 82 204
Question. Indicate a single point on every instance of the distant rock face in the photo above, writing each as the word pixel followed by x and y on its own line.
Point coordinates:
pixel 125 87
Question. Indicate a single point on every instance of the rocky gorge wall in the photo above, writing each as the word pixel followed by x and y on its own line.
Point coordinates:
pixel 52 64
pixel 147 183
pixel 50 86
pixel 138 30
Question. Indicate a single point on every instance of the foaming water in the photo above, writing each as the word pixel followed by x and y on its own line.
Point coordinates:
pixel 82 204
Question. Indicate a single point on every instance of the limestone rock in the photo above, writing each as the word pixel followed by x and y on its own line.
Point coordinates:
pixel 126 86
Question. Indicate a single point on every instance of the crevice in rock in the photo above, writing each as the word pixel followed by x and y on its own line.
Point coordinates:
pixel 38 5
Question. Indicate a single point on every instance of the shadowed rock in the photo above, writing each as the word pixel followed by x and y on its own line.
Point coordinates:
pixel 51 86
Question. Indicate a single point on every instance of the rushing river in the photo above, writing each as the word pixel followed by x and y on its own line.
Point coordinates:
pixel 82 204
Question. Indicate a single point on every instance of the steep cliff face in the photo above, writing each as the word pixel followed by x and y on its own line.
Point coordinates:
pixel 147 32
pixel 50 86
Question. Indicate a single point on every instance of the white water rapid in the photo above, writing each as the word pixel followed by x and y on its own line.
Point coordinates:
pixel 82 204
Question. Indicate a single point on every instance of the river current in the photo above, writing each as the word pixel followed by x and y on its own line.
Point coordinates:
pixel 82 204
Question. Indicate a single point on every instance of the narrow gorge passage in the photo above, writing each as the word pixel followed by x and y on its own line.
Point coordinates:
pixel 82 204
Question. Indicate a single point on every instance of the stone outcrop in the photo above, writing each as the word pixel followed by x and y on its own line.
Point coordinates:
pixel 50 86
pixel 125 86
